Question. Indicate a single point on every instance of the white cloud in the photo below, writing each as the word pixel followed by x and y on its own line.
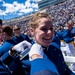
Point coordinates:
pixel 20 14
pixel 26 10
pixel 27 4
pixel 2 12
pixel 19 8
pixel 35 5
pixel 9 8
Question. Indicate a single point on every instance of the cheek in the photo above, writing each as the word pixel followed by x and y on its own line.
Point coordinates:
pixel 38 35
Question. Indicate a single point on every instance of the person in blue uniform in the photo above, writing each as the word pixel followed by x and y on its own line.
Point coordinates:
pixel 3 69
pixel 7 34
pixel 41 28
pixel 68 37
pixel 18 36
pixel 8 42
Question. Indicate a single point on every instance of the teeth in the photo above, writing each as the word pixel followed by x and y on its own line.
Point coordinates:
pixel 47 38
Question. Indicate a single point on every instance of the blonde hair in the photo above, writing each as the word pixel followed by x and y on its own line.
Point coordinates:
pixel 33 23
pixel 70 22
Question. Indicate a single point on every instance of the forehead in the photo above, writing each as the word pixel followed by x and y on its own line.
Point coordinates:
pixel 45 22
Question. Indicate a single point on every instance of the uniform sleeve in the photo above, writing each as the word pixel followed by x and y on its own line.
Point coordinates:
pixel 43 66
pixel 4 48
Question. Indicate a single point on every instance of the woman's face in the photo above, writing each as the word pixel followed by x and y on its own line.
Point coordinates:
pixel 43 34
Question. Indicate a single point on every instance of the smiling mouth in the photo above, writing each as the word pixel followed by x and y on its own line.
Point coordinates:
pixel 47 38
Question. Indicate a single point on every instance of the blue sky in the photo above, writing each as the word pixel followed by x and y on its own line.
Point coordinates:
pixel 15 8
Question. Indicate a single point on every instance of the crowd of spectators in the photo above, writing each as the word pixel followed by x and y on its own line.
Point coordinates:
pixel 63 12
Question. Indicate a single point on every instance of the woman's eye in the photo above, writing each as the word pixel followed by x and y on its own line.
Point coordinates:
pixel 44 29
pixel 51 29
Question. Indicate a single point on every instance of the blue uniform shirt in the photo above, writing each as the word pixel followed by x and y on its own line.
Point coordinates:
pixel 21 38
pixel 6 46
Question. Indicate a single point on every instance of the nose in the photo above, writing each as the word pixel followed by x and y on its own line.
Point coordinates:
pixel 49 31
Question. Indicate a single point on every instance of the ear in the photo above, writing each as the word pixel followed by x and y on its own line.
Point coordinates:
pixel 32 31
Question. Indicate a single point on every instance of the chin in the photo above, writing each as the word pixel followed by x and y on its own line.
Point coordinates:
pixel 46 45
